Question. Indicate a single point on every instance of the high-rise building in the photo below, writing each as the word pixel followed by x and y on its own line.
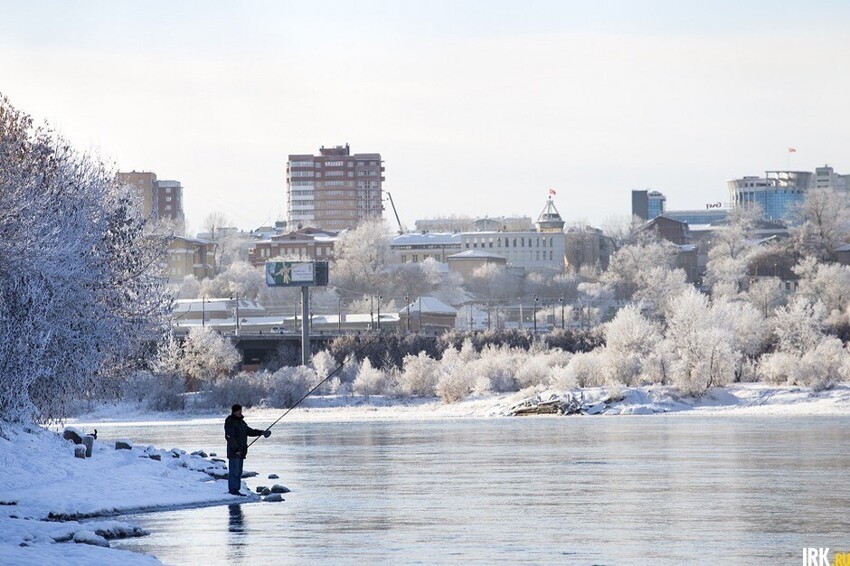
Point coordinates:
pixel 334 190
pixel 161 200
pixel 648 204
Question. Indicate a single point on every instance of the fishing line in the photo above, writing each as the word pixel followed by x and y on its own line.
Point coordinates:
pixel 330 375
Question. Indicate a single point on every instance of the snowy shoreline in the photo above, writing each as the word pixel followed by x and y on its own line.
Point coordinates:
pixel 60 509
pixel 738 399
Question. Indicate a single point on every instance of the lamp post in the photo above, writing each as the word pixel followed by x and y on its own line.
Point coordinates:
pixel 203 311
pixel 339 315
pixel 488 314
pixel 562 312
pixel 379 312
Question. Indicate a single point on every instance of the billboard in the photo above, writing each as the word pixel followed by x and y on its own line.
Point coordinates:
pixel 296 273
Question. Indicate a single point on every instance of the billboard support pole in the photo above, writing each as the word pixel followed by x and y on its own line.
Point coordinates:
pixel 305 329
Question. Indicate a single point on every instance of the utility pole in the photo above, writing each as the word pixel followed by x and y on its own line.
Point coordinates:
pixel 305 332
pixel 237 314
pixel 521 325
pixel 562 313
pixel 488 314
pixel 420 313
pixel 203 311
pixel 379 312
pixel 372 310
pixel 339 315
pixel 534 321
pixel 407 302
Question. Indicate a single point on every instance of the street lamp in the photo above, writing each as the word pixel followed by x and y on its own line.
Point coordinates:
pixel 379 312
pixel 203 311
pixel 562 312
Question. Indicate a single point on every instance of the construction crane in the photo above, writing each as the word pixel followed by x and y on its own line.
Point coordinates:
pixel 392 204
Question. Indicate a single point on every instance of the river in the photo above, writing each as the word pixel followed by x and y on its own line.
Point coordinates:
pixel 558 490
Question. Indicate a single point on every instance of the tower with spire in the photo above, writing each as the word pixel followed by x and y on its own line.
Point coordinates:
pixel 550 219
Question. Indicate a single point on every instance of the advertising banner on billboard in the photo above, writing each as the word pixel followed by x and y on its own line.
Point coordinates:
pixel 296 273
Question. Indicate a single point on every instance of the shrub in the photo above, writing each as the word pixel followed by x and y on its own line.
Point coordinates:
pixel 454 385
pixel 587 369
pixel 247 389
pixel 419 375
pixel 289 384
pixel 371 380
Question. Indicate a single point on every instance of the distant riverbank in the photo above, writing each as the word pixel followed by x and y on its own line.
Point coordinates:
pixel 738 399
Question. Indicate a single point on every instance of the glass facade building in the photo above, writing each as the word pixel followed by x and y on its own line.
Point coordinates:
pixel 777 193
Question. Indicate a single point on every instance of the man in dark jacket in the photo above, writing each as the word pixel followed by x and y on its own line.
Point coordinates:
pixel 236 432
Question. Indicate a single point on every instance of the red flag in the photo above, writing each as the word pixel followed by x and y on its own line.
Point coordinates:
pixel 792 150
pixel 552 192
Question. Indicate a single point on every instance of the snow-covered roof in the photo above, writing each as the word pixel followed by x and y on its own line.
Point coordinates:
pixel 844 248
pixel 215 305
pixel 428 238
pixel 475 254
pixel 430 305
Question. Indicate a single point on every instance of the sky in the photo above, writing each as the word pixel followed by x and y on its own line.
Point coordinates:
pixel 477 108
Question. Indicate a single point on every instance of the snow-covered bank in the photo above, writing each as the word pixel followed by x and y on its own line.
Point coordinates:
pixel 738 399
pixel 41 481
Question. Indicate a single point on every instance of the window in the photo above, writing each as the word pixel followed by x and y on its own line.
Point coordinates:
pixel 333 163
pixel 302 164
pixel 415 258
pixel 403 258
pixel 302 174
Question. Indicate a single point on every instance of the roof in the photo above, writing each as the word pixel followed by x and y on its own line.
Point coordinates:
pixel 476 254
pixel 213 305
pixel 430 305
pixel 428 238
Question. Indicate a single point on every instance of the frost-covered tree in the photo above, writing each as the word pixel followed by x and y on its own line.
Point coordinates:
pixel 645 271
pixel 419 376
pixel 205 357
pixel 726 270
pixel 821 223
pixel 799 325
pixel 82 292
pixel 239 279
pixel 493 282
pixel 371 380
pixel 362 255
pixel 766 295
pixel 190 288
pixel 704 356
pixel 828 283
pixel 630 341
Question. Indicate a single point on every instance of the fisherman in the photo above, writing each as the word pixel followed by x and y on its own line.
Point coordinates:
pixel 236 432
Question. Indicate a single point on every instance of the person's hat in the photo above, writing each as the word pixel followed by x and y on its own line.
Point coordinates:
pixel 235 407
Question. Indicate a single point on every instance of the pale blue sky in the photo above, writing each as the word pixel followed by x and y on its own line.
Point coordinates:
pixel 477 107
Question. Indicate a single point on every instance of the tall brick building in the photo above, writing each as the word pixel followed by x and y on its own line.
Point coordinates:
pixel 333 190
pixel 162 200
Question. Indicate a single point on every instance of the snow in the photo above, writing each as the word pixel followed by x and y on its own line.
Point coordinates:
pixel 41 479
pixel 736 399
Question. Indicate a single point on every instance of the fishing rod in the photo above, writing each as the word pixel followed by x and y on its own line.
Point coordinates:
pixel 330 375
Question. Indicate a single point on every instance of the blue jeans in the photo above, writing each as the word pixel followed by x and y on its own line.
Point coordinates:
pixel 234 474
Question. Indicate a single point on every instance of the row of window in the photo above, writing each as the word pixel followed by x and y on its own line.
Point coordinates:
pixel 318 164
pixel 532 242
pixel 266 252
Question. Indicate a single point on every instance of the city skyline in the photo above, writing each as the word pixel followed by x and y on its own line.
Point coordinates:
pixel 476 109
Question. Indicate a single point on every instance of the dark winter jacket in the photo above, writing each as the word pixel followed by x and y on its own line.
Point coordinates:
pixel 237 432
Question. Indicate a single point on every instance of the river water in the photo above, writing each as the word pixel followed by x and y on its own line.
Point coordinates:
pixel 559 490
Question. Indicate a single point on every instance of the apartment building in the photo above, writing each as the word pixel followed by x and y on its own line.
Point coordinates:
pixel 334 190
pixel 190 256
pixel 161 199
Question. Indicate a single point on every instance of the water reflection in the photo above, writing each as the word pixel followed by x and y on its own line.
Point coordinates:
pixel 574 490
pixel 236 540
